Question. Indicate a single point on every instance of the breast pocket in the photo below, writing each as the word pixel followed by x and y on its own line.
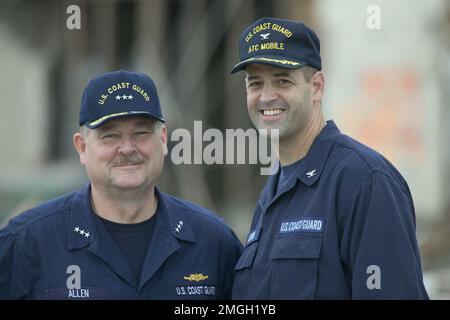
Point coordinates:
pixel 294 260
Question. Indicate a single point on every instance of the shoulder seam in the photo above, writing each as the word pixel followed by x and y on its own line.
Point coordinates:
pixel 358 153
pixel 360 183
pixel 36 220
pixel 200 211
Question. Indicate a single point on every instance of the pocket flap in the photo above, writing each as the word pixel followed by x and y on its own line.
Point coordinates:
pixel 297 246
pixel 247 257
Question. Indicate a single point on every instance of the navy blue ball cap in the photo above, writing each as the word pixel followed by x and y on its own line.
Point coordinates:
pixel 118 94
pixel 278 42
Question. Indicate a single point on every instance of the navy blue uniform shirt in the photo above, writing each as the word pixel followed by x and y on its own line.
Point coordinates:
pixel 61 250
pixel 133 240
pixel 342 227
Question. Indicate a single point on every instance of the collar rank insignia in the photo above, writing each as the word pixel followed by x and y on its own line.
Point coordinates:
pixel 311 173
pixel 179 226
pixel 81 232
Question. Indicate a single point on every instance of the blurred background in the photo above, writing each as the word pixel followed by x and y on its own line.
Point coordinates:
pixel 387 68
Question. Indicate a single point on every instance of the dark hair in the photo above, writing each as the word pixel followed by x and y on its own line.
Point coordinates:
pixel 308 72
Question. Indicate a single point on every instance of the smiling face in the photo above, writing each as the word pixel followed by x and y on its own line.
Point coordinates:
pixel 278 98
pixel 124 153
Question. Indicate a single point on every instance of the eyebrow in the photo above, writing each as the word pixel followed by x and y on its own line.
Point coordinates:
pixel 105 127
pixel 251 78
pixel 146 124
pixel 282 74
pixel 278 74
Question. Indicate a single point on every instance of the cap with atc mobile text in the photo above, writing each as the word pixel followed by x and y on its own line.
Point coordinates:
pixel 282 43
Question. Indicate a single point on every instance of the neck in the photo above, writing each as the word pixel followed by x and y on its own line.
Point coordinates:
pixel 125 206
pixel 295 148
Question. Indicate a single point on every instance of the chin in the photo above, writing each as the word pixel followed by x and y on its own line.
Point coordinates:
pixel 127 184
pixel 266 127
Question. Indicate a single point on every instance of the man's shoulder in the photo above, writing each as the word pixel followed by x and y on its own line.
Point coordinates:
pixel 362 158
pixel 198 216
pixel 43 213
pixel 354 164
pixel 195 211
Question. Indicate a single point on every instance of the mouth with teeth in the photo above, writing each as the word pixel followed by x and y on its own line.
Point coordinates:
pixel 272 114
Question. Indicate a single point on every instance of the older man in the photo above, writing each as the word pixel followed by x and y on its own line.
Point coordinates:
pixel 119 237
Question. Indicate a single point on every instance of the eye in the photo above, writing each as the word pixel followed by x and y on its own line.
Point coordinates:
pixel 110 136
pixel 142 133
pixel 284 82
pixel 254 84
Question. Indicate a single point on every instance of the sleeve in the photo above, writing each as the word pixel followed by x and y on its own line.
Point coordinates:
pixel 378 243
pixel 233 253
pixel 13 284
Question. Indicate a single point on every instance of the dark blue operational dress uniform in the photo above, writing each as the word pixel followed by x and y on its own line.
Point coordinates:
pixel 62 250
pixel 341 225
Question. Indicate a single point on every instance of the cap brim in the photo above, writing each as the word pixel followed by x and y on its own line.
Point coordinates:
pixel 102 120
pixel 270 60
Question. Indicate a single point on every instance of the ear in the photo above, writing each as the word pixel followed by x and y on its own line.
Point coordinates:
pixel 318 86
pixel 80 146
pixel 164 139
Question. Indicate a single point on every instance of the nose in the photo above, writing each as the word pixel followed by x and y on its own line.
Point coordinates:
pixel 127 146
pixel 268 94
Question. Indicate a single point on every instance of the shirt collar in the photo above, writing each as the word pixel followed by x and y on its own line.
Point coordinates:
pixel 82 223
pixel 82 226
pixel 174 219
pixel 310 168
pixel 312 165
